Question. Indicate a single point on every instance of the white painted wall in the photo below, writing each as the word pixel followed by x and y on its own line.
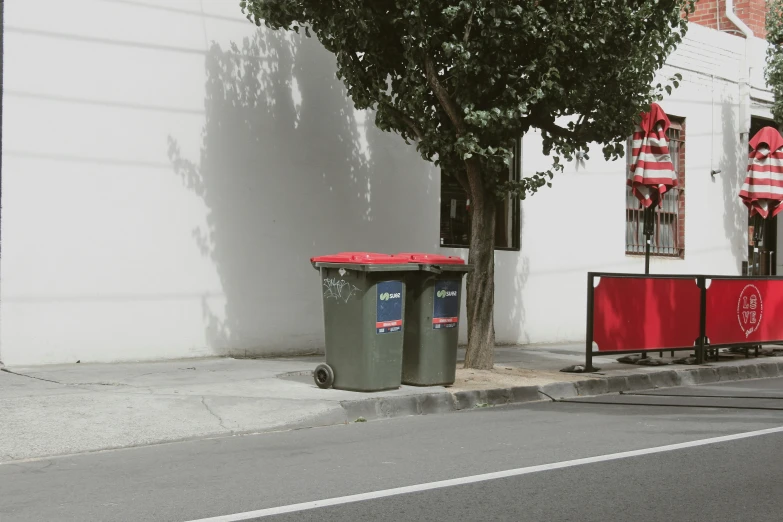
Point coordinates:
pixel 102 241
pixel 110 253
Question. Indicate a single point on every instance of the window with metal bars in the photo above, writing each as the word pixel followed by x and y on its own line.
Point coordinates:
pixel 669 237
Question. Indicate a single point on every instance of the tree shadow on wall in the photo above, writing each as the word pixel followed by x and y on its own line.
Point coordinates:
pixel 733 164
pixel 281 164
pixel 288 170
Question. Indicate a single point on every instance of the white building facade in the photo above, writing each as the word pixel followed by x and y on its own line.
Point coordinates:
pixel 168 169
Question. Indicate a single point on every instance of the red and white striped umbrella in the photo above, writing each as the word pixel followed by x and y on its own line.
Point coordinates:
pixel 762 191
pixel 652 173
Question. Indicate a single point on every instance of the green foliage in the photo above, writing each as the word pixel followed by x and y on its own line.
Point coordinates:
pixel 465 78
pixel 774 69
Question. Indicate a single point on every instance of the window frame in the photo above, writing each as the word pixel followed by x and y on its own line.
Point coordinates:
pixel 515 204
pixel 675 216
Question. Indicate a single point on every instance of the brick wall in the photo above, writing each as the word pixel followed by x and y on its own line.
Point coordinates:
pixel 712 14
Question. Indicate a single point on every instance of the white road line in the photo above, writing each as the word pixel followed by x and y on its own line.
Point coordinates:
pixel 304 506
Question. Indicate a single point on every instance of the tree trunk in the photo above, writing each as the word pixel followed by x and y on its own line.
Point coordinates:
pixel 481 282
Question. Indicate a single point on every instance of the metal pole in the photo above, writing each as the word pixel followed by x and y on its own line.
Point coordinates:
pixel 758 240
pixel 649 227
pixel 759 243
pixel 589 330
pixel 702 282
pixel 648 232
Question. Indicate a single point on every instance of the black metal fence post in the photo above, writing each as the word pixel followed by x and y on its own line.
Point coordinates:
pixel 702 283
pixel 589 332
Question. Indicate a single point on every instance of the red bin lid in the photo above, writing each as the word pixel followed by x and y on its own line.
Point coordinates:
pixel 422 258
pixel 358 258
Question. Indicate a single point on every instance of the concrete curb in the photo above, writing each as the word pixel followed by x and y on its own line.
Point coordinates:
pixel 445 402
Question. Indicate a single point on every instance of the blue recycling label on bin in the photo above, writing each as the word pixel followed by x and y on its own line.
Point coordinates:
pixel 389 307
pixel 445 312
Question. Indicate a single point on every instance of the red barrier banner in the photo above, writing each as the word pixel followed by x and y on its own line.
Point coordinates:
pixel 744 310
pixel 638 313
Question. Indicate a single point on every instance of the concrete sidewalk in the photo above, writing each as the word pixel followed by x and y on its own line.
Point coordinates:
pixel 66 409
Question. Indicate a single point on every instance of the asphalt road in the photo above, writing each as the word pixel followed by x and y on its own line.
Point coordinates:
pixel 732 479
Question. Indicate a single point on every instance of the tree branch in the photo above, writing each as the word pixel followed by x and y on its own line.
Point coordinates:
pixel 443 97
pixel 470 21
pixel 467 27
pixel 463 181
pixel 408 121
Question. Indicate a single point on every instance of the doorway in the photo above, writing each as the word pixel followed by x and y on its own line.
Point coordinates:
pixel 764 261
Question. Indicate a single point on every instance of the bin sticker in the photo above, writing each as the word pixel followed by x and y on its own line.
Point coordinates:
pixel 389 307
pixel 446 307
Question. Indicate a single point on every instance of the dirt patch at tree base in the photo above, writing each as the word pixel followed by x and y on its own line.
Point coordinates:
pixel 508 377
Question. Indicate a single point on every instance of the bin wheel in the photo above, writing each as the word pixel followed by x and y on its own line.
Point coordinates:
pixel 323 376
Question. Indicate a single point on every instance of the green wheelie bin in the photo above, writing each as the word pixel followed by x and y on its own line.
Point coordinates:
pixel 364 312
pixel 432 312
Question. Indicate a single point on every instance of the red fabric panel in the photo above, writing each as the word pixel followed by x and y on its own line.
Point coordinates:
pixel 768 136
pixel 638 313
pixel 744 310
pixel 651 120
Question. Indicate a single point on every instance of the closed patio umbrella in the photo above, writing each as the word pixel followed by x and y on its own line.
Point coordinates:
pixel 651 174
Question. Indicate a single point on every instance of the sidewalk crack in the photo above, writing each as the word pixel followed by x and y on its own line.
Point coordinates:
pixel 74 384
pixel 218 417
pixel 31 377
pixel 547 395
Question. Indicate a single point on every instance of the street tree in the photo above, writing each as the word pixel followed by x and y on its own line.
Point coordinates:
pixel 465 79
